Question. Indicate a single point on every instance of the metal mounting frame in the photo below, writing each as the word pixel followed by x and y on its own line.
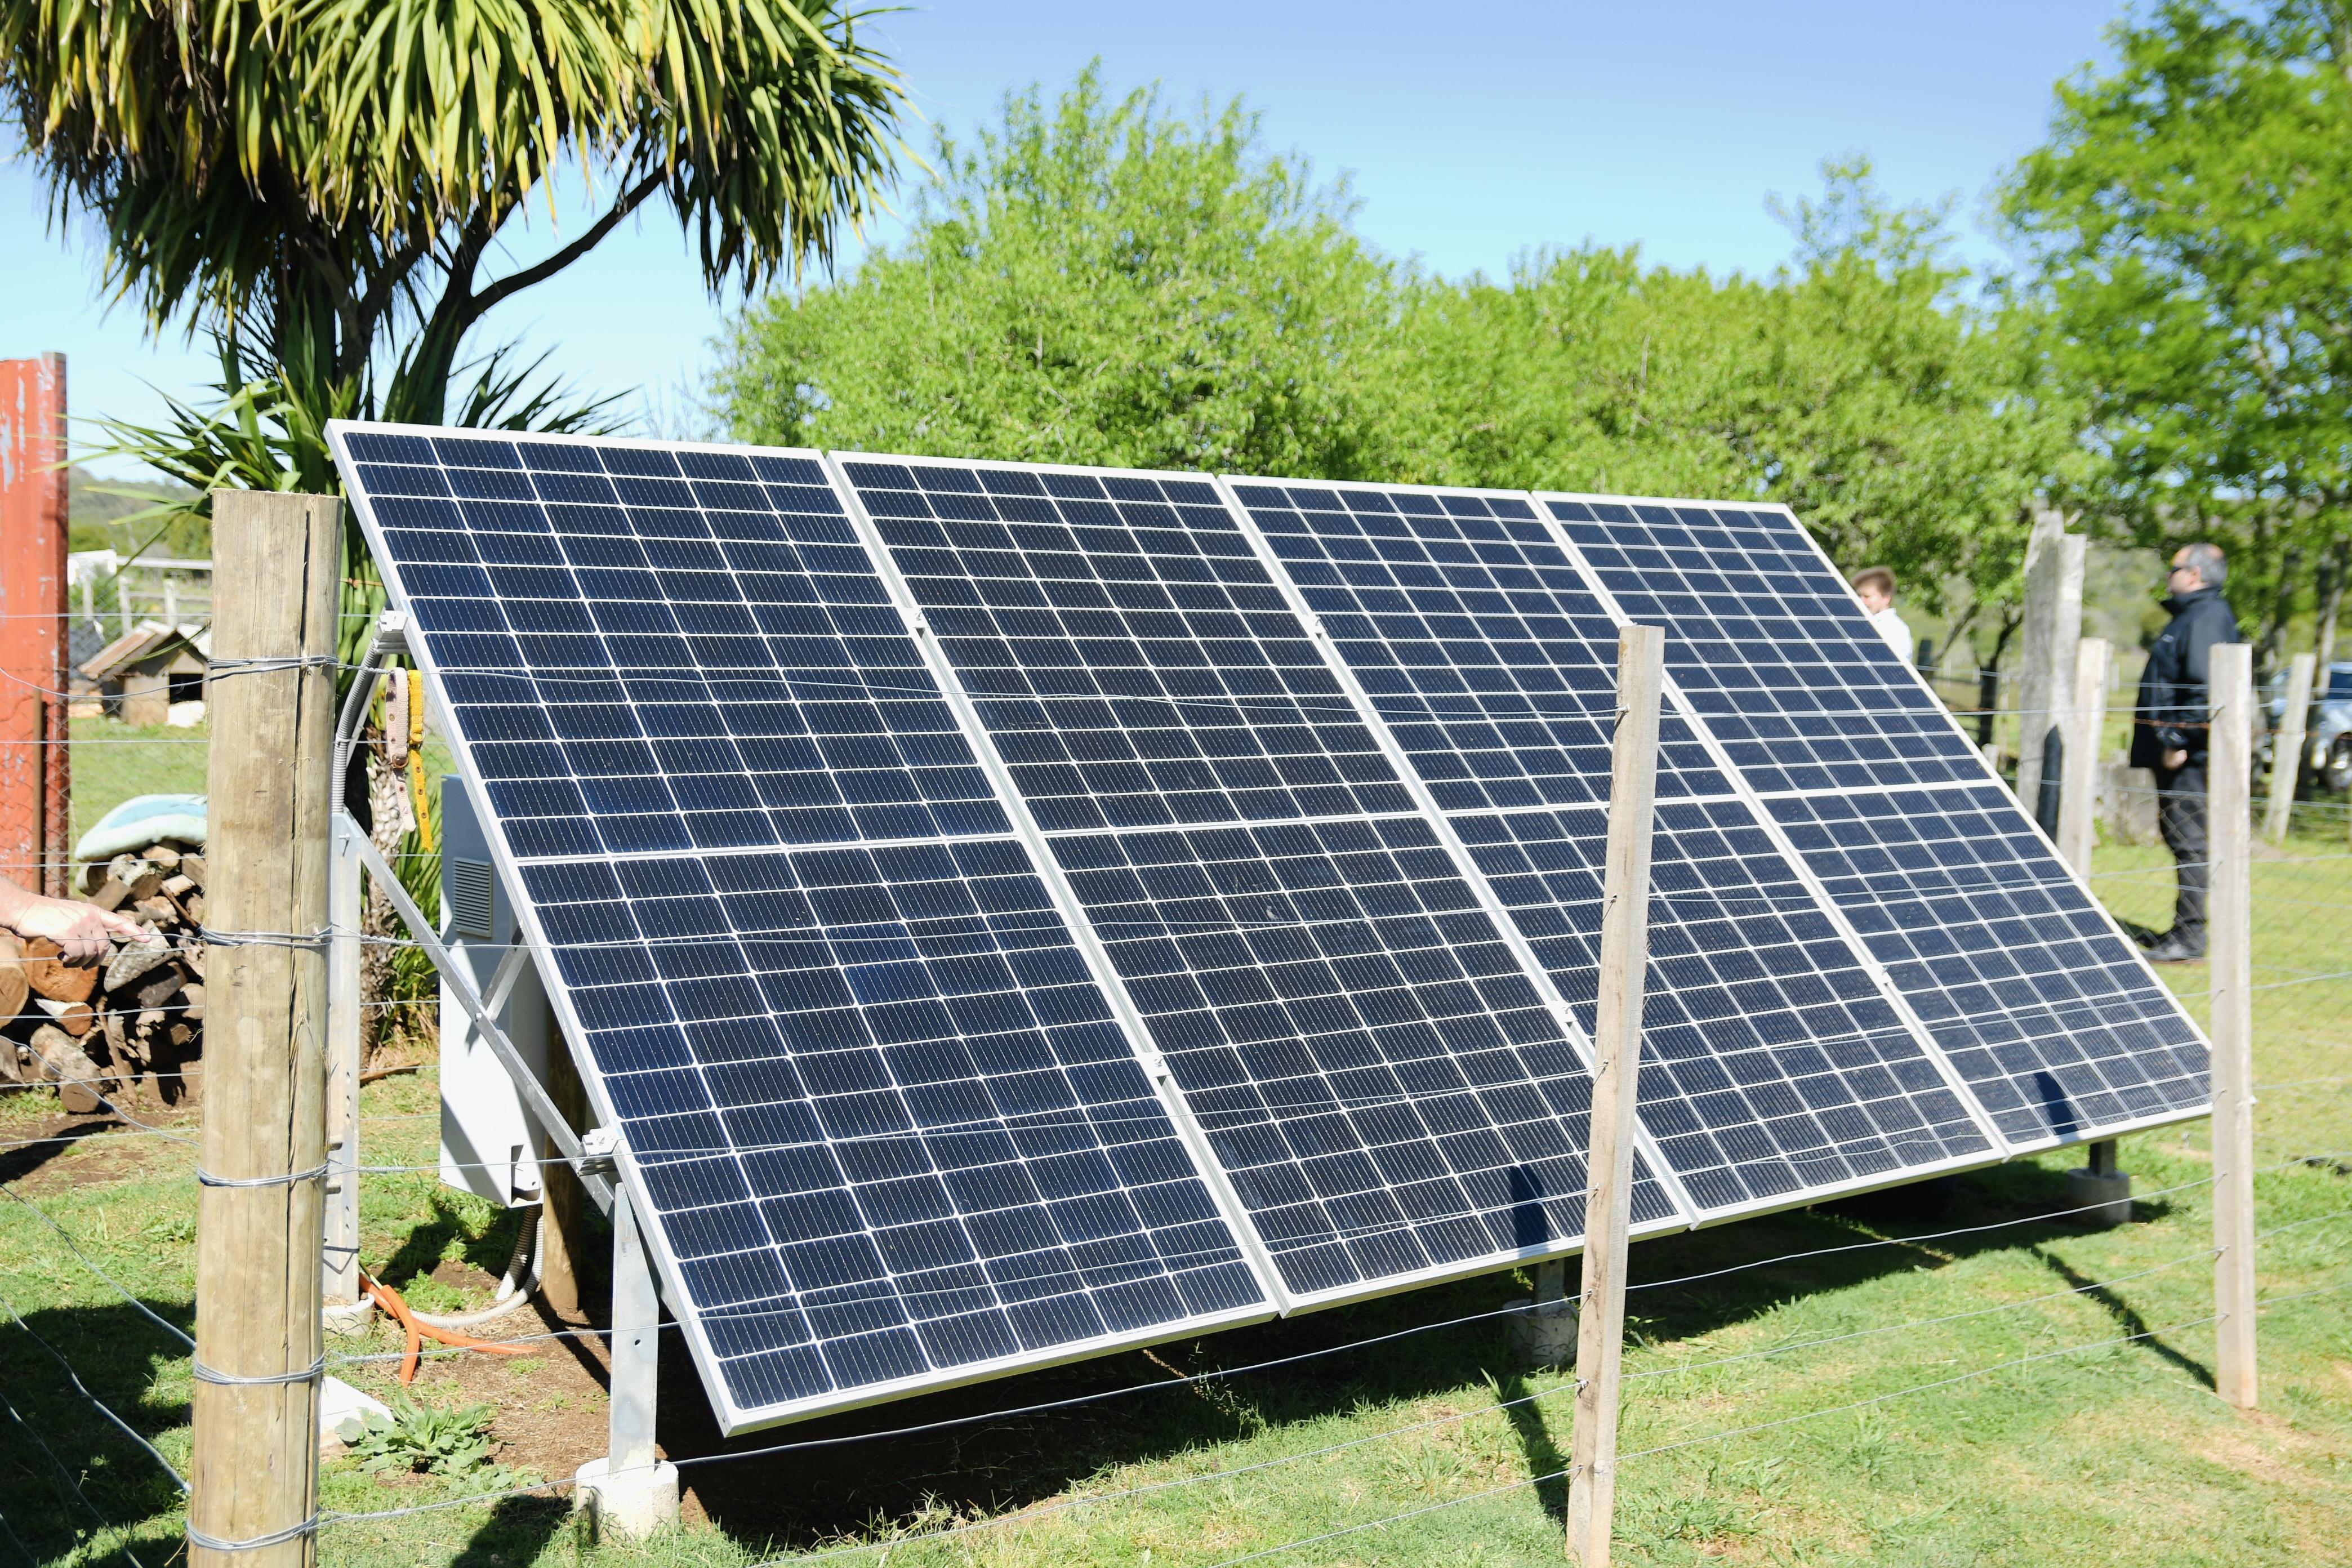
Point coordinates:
pixel 355 852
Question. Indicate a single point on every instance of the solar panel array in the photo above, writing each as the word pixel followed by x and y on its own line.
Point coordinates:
pixel 1015 913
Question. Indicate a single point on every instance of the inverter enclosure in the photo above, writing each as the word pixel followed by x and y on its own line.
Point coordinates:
pixel 489 1147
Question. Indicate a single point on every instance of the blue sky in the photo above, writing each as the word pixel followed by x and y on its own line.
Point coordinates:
pixel 1471 131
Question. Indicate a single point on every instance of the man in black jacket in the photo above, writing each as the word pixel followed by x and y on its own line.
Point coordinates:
pixel 2169 732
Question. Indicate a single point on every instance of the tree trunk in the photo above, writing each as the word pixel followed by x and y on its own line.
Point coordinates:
pixel 2334 568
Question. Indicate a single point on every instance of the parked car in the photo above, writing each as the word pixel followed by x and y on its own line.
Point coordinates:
pixel 2327 734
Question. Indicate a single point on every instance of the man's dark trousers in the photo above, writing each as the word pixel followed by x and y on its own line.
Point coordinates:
pixel 2180 816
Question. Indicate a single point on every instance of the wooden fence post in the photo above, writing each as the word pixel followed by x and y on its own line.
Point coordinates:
pixel 2054 628
pixel 255 1471
pixel 2286 747
pixel 1617 1044
pixel 2230 948
pixel 2077 801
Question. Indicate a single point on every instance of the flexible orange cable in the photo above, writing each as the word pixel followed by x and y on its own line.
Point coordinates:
pixel 419 1332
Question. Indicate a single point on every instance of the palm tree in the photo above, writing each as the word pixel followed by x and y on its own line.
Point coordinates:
pixel 320 186
pixel 323 180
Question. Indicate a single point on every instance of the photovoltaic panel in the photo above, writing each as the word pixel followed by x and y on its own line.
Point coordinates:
pixel 889 1135
pixel 1769 645
pixel 680 649
pixel 2052 1017
pixel 883 1114
pixel 1138 671
pixel 1371 1064
pixel 1122 644
pixel 1773 1065
pixel 1476 640
pixel 2030 992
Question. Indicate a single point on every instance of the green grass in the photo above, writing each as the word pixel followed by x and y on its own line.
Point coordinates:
pixel 2114 1453
pixel 112 761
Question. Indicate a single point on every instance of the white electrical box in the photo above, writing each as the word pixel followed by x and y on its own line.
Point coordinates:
pixel 487 1144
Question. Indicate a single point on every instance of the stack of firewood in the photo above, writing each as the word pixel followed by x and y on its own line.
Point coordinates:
pixel 127 1030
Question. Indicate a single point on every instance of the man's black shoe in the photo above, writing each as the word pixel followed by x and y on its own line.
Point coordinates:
pixel 2173 949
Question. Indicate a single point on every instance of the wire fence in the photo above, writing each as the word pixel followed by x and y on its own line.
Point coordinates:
pixel 2303 959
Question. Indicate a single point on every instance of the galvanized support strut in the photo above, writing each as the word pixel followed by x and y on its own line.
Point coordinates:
pixel 630 1492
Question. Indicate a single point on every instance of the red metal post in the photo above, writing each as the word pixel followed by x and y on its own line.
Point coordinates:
pixel 36 789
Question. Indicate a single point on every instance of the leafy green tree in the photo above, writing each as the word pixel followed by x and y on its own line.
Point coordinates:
pixel 1091 282
pixel 1906 424
pixel 1584 370
pixel 1909 423
pixel 2190 224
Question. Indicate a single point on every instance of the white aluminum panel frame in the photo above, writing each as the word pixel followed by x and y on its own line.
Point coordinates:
pixel 732 1418
pixel 1296 1302
pixel 1788 846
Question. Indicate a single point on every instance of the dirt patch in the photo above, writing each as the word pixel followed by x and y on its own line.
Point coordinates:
pixel 63 1152
pixel 459 1274
pixel 552 1404
pixel 2237 1451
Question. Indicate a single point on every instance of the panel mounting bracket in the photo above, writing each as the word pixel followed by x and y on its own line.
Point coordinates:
pixel 389 641
pixel 594 1165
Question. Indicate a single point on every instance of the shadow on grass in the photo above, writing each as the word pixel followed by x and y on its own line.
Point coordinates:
pixel 517 1530
pixel 2125 1314
pixel 854 1470
pixel 1543 1455
pixel 67 1473
pixel 47 1143
pixel 446 1220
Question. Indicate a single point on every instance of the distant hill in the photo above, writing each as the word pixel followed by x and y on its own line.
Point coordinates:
pixel 96 517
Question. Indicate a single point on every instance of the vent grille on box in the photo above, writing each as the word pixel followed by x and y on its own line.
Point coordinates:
pixel 465 886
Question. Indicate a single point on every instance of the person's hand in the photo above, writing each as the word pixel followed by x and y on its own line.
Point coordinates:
pixel 2176 761
pixel 82 932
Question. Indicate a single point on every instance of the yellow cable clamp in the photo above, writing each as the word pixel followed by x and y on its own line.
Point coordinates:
pixel 416 758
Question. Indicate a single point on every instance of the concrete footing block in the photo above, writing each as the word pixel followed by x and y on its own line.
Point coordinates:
pixel 2105 1197
pixel 638 1503
pixel 1545 1335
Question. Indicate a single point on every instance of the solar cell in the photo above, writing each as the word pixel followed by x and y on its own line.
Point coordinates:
pixel 891 1133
